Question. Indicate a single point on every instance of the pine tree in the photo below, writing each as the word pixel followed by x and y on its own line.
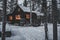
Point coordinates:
pixel 45 18
pixel 4 19
pixel 54 13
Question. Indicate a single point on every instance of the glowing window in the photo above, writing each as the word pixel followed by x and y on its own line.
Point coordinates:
pixel 27 16
pixel 10 18
pixel 17 17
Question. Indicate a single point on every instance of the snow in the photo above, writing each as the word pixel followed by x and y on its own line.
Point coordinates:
pixel 20 1
pixel 27 9
pixel 30 32
pixel 7 28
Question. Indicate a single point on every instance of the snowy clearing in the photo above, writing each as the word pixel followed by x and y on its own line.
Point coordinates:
pixel 30 33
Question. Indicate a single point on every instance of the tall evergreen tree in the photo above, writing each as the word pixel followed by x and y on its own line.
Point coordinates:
pixel 45 18
pixel 4 19
pixel 54 13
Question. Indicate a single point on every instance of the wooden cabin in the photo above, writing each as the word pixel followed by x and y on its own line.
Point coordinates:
pixel 22 13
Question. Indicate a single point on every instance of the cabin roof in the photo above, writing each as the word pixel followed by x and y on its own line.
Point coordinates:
pixel 27 9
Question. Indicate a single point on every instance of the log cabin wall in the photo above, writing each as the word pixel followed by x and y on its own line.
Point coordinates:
pixel 19 12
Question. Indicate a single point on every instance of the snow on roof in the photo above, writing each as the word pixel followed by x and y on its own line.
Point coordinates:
pixel 38 13
pixel 27 9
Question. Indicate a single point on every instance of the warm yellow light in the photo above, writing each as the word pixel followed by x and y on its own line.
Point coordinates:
pixel 27 16
pixel 10 18
pixel 17 17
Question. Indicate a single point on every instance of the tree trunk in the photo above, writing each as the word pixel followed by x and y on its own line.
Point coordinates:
pixel 4 19
pixel 33 6
pixel 45 18
pixel 25 3
pixel 54 13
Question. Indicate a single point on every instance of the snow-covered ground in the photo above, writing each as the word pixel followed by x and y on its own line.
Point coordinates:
pixel 30 33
